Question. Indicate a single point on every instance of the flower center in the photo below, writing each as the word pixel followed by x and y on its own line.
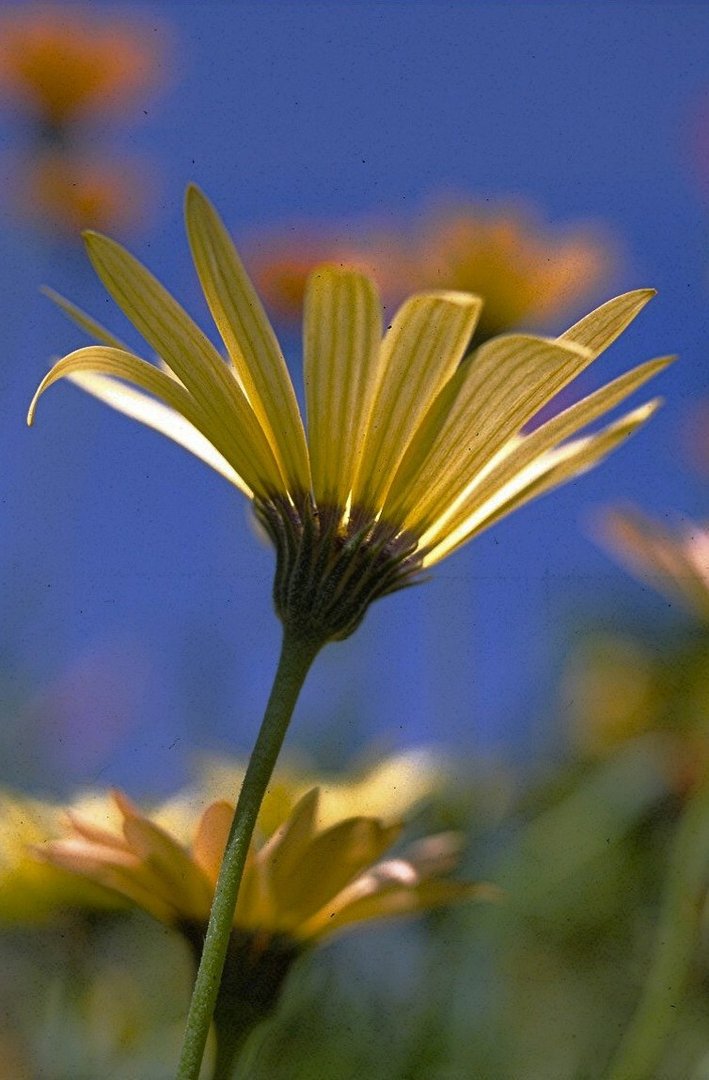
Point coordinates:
pixel 331 565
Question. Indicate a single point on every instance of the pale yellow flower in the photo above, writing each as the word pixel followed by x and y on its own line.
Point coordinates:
pixel 32 890
pixel 301 884
pixel 676 563
pixel 390 789
pixel 412 448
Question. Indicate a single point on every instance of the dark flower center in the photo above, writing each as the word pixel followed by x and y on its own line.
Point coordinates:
pixel 330 566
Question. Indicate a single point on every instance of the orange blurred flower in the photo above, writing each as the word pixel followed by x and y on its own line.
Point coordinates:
pixel 66 192
pixel 281 264
pixel 64 63
pixel 524 274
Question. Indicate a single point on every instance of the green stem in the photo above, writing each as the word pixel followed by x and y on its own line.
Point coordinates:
pixel 297 655
pixel 677 936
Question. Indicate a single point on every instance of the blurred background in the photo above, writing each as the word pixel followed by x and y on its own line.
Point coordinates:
pixel 550 155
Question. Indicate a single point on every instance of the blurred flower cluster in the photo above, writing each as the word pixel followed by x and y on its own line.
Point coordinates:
pixel 69 78
pixel 527 272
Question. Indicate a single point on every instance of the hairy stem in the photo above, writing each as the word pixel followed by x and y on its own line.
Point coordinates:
pixel 297 655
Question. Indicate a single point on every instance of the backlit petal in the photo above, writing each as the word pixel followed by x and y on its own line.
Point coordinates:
pixel 496 392
pixel 248 336
pixel 190 354
pixel 341 340
pixel 515 457
pixel 420 352
pixel 548 471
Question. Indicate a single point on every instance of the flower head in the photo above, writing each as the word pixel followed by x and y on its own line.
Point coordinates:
pixel 301 883
pixel 413 446
pixel 63 64
pixel 525 273
pixel 676 564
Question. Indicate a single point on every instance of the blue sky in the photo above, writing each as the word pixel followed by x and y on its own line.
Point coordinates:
pixel 121 556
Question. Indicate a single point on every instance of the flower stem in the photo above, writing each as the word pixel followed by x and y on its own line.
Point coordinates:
pixel 677 937
pixel 297 655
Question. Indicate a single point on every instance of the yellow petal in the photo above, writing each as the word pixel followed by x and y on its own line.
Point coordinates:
pixel 514 458
pixel 211 837
pixel 171 865
pixel 190 354
pixel 114 869
pixel 89 325
pixel 420 352
pixel 341 339
pixel 329 863
pixel 548 471
pixel 160 418
pixel 601 327
pixel 100 360
pixel 255 908
pixel 248 336
pixel 284 850
pixel 393 900
pixel 495 392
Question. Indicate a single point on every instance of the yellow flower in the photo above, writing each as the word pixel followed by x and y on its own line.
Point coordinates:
pixel 389 789
pixel 32 890
pixel 412 447
pixel 64 64
pixel 301 884
pixel 676 564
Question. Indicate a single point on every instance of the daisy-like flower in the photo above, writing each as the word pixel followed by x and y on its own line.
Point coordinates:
pixel 302 884
pixel 412 446
pixel 62 64
pixel 674 563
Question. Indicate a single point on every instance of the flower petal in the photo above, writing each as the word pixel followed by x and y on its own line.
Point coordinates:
pixel 192 357
pixel 160 418
pixel 601 327
pixel 330 862
pixel 171 864
pixel 248 336
pixel 381 899
pixel 495 392
pixel 100 360
pixel 545 472
pixel 515 457
pixel 676 565
pixel 286 846
pixel 115 869
pixel 89 325
pixel 211 837
pixel 341 339
pixel 420 352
